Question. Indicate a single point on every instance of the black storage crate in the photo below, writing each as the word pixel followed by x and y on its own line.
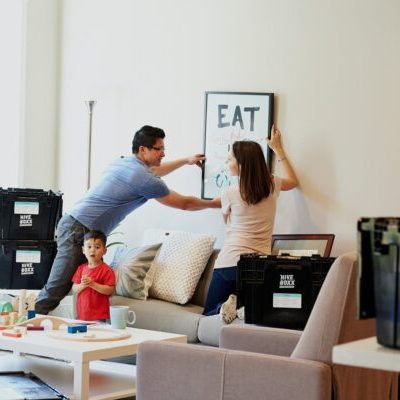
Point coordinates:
pixel 29 214
pixel 25 264
pixel 379 280
pixel 280 291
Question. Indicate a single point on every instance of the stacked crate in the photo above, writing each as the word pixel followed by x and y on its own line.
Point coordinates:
pixel 28 219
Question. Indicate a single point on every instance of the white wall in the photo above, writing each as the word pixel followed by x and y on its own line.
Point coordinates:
pixel 12 18
pixel 333 67
pixel 39 146
pixel 28 93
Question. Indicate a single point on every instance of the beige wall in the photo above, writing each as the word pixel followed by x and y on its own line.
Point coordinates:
pixel 11 89
pixel 39 147
pixel 333 66
pixel 28 93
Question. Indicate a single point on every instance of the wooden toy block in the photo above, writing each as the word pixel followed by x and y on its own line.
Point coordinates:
pixel 72 329
pixel 12 334
pixel 82 328
pixel 77 328
pixel 37 321
pixel 35 328
pixel 22 301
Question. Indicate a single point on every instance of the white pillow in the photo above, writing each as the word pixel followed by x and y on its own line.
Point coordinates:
pixel 177 268
pixel 130 267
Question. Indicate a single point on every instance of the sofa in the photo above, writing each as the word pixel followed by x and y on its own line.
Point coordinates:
pixel 256 362
pixel 166 316
pixel 187 319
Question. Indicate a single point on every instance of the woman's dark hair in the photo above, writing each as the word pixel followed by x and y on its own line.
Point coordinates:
pixel 95 235
pixel 255 180
pixel 146 136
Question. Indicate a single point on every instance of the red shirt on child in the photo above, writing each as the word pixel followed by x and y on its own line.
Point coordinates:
pixel 92 305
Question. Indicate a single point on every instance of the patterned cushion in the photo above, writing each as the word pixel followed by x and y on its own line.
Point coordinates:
pixel 130 267
pixel 177 268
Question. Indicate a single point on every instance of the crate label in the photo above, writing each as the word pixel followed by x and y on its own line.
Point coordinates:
pixel 25 220
pixel 26 207
pixel 298 253
pixel 287 281
pixel 286 300
pixel 27 269
pixel 28 256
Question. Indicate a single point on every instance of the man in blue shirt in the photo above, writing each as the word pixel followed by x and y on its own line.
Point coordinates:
pixel 125 185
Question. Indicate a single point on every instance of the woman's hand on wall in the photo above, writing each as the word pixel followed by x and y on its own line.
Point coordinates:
pixel 275 142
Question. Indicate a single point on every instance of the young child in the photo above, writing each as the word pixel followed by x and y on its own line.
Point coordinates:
pixel 93 281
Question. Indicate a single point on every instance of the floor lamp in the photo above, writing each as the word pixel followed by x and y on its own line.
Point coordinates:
pixel 90 105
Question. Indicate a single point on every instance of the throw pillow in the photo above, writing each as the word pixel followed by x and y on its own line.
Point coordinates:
pixel 130 267
pixel 177 268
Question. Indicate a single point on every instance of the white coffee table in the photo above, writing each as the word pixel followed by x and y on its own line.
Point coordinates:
pixel 79 376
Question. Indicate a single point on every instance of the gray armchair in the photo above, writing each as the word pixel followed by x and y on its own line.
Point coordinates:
pixel 268 363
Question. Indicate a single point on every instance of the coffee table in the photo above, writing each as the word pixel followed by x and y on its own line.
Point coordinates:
pixel 72 367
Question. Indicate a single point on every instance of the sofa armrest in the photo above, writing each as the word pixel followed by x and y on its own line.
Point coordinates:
pixel 259 339
pixel 165 370
pixel 177 372
pixel 260 376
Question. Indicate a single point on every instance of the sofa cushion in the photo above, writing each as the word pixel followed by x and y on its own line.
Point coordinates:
pixel 177 268
pixel 163 316
pixel 130 267
pixel 200 294
pixel 210 329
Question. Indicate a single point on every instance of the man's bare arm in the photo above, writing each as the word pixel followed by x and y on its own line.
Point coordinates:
pixel 169 166
pixel 189 203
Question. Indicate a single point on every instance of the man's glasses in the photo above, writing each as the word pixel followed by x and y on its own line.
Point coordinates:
pixel 158 148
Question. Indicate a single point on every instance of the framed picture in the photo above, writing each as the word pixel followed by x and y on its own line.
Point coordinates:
pixel 229 117
pixel 302 245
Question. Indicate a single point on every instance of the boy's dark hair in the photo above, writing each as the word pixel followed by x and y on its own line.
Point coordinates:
pixel 95 235
pixel 146 136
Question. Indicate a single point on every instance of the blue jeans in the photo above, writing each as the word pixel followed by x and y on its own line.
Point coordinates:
pixel 223 283
pixel 70 234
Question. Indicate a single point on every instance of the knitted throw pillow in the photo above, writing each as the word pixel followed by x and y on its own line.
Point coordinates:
pixel 178 266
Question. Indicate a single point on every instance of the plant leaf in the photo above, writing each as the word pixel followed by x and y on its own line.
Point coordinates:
pixel 115 243
pixel 116 233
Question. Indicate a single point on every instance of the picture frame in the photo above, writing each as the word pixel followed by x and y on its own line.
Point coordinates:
pixel 229 117
pixel 302 245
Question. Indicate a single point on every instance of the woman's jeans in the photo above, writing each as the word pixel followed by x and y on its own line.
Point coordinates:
pixel 223 284
pixel 70 234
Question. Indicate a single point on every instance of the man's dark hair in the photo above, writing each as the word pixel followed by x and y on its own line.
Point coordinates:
pixel 95 235
pixel 146 136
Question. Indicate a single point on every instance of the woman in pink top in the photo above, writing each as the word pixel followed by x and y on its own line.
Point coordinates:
pixel 249 213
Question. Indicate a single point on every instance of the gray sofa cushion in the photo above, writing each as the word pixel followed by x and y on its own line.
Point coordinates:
pixel 130 267
pixel 199 296
pixel 210 328
pixel 163 316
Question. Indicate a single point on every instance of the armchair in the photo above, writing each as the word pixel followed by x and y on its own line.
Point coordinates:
pixel 268 363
